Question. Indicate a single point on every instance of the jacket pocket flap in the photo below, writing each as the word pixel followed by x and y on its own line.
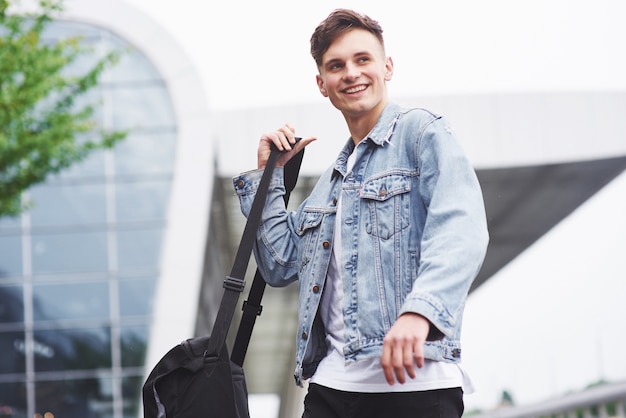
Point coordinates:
pixel 309 220
pixel 386 187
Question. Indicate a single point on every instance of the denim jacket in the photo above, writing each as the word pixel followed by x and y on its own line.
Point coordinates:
pixel 414 237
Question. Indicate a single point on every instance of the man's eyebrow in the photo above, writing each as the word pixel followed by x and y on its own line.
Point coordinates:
pixel 333 61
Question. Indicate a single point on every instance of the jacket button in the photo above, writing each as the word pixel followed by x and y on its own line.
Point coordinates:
pixel 382 192
pixel 316 289
pixel 304 336
pixel 240 183
pixel 326 244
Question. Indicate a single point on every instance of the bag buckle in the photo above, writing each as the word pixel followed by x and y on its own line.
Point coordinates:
pixel 235 284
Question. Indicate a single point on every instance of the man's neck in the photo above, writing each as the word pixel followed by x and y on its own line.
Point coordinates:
pixel 361 125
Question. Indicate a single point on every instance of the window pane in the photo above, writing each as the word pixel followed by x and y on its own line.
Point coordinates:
pixel 138 249
pixel 92 98
pixel 12 359
pixel 10 222
pixel 67 205
pixel 71 301
pixel 134 343
pixel 70 398
pixel 92 166
pixel 73 349
pixel 131 392
pixel 145 154
pixel 14 398
pixel 10 256
pixel 71 252
pixel 144 106
pixel 132 67
pixel 136 296
pixel 60 30
pixel 11 305
pixel 145 200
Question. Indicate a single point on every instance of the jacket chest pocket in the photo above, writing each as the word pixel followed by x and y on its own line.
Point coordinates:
pixel 387 200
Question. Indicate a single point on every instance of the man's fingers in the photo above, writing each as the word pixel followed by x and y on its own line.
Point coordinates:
pixel 409 360
pixel 397 361
pixel 286 156
pixel 280 140
pixel 418 355
pixel 385 360
pixel 286 136
pixel 284 140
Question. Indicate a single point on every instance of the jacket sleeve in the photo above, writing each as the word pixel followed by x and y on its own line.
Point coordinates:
pixel 454 239
pixel 275 249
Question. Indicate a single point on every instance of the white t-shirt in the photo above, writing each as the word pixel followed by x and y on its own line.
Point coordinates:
pixel 367 375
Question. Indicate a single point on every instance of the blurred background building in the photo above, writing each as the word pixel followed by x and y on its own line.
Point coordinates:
pixel 123 256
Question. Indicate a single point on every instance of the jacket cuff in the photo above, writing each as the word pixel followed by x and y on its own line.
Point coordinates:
pixel 248 182
pixel 442 322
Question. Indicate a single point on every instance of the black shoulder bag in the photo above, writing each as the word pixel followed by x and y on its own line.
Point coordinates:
pixel 197 378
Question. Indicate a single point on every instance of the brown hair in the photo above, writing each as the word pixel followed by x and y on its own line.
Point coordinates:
pixel 337 23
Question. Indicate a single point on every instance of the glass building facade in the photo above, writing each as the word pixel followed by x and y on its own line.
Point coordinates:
pixel 78 271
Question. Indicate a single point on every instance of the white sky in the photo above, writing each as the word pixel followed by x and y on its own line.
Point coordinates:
pixel 549 322
pixel 253 53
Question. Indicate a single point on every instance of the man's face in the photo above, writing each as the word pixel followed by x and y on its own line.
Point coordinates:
pixel 353 74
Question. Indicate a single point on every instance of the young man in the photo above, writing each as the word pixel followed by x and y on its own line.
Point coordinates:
pixel 385 248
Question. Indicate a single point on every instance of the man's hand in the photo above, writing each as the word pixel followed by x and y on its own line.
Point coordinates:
pixel 403 347
pixel 283 138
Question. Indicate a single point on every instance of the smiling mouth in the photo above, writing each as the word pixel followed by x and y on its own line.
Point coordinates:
pixel 355 89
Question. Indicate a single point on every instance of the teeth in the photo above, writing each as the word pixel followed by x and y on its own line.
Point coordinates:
pixel 355 89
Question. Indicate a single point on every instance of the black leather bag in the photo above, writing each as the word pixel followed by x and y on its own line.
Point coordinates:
pixel 197 378
pixel 187 383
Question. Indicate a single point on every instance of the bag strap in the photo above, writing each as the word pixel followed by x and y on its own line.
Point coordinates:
pixel 252 306
pixel 234 283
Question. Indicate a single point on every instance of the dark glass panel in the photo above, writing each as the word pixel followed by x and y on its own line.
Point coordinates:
pixel 131 393
pixel 71 301
pixel 13 399
pixel 10 256
pixel 136 296
pixel 11 305
pixel 71 252
pixel 134 343
pixel 74 398
pixel 73 349
pixel 12 347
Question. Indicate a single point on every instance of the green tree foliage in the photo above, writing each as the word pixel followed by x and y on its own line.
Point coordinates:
pixel 45 127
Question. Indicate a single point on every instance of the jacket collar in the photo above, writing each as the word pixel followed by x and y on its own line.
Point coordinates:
pixel 382 131
pixel 379 135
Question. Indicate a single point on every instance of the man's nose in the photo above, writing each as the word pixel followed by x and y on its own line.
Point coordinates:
pixel 352 71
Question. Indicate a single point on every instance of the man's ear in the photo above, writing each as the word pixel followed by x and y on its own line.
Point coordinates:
pixel 320 85
pixel 388 69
